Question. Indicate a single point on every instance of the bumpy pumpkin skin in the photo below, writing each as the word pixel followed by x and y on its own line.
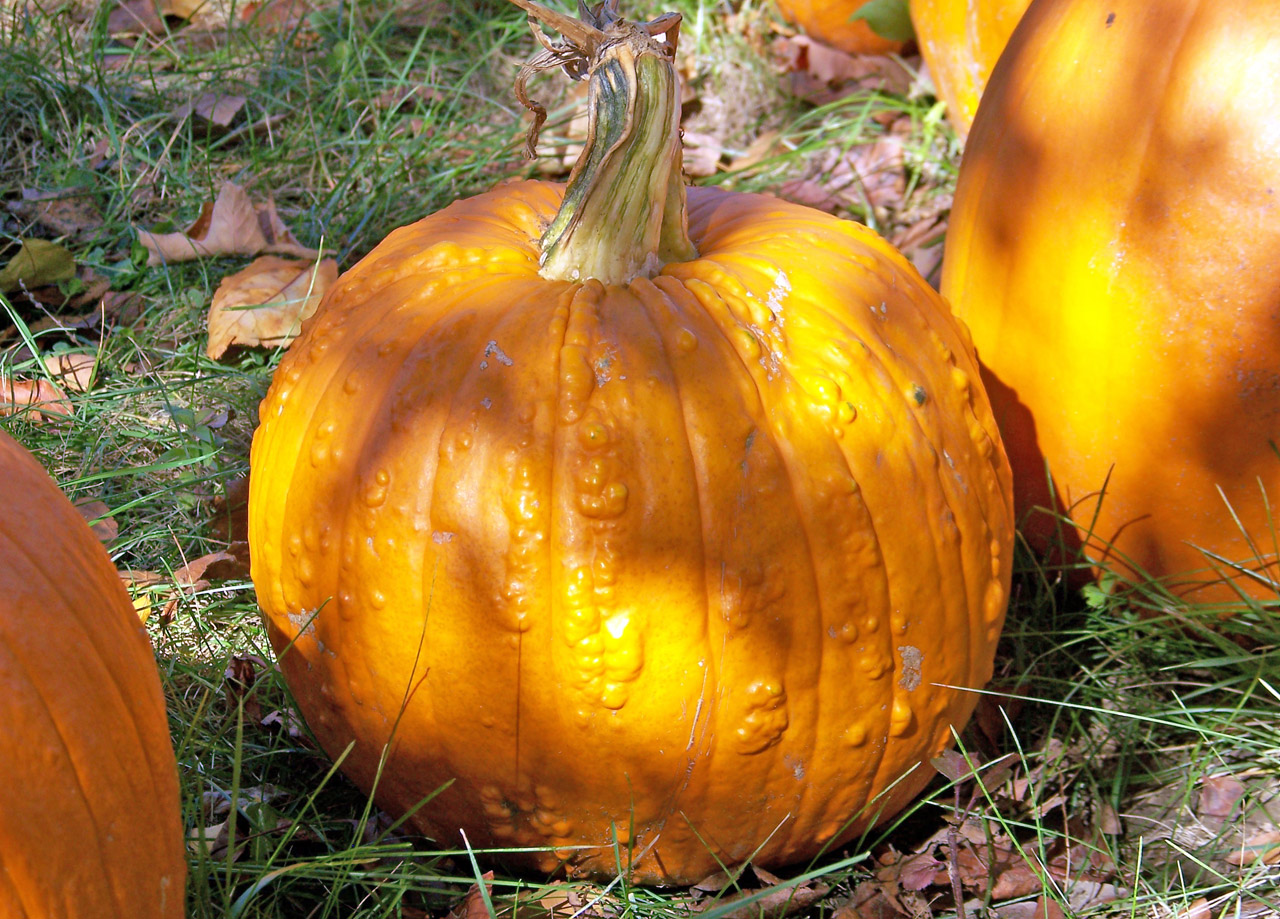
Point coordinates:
pixel 697 553
pixel 832 23
pixel 961 41
pixel 90 818
pixel 1115 249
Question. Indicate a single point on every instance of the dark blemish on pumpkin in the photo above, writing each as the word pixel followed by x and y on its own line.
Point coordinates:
pixel 918 395
pixel 1111 17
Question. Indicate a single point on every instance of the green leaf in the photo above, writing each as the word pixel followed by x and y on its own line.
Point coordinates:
pixel 889 19
pixel 38 263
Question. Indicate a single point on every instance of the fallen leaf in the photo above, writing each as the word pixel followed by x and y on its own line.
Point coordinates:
pixel 286 720
pixel 870 900
pixel 275 15
pixel 62 211
pixel 1197 909
pixel 231 225
pixel 1107 820
pixel 777 902
pixel 232 564
pixel 37 263
pixel 135 17
pixel 239 681
pixel 1048 908
pixel 473 905
pixel 138 584
pixel 73 369
pixel 217 110
pixel 1263 846
pixel 230 521
pixel 40 400
pixel 820 74
pixel 702 153
pixel 265 303
pixel 98 516
pixel 1219 795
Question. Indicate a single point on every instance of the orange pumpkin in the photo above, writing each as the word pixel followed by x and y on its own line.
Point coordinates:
pixel 961 41
pixel 90 820
pixel 1115 248
pixel 832 23
pixel 686 551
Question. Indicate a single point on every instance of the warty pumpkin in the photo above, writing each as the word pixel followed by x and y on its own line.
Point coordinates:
pixel 961 40
pixel 673 523
pixel 831 22
pixel 1115 249
pixel 90 818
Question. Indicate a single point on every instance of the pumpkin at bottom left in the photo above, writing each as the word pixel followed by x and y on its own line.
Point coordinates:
pixel 90 817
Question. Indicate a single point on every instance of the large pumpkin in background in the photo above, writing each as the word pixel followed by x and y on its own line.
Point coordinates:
pixel 1115 249
pixel 961 41
pixel 690 550
pixel 90 819
pixel 831 22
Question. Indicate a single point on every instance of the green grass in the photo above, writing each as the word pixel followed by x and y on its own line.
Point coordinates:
pixel 1106 713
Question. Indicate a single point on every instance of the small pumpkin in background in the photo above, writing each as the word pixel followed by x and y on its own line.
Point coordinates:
pixel 1115 249
pixel 961 40
pixel 832 22
pixel 90 818
pixel 654 528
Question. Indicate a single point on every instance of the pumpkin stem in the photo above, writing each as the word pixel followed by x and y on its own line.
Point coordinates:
pixel 624 213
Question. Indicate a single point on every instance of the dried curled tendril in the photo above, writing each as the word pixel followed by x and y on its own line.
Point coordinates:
pixel 583 39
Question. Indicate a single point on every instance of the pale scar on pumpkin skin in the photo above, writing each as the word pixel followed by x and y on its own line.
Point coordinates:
pixel 912 658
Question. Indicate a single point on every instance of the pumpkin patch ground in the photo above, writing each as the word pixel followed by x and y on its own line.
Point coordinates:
pixel 664 564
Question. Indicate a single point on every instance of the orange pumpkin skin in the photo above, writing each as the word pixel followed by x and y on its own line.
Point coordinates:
pixel 832 23
pixel 1123 283
pixel 691 559
pixel 90 818
pixel 961 41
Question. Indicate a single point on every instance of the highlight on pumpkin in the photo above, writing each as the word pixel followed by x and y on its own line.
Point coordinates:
pixel 639 469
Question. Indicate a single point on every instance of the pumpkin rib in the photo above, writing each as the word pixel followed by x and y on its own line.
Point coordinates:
pixel 66 589
pixel 656 298
pixel 760 420
pixel 68 758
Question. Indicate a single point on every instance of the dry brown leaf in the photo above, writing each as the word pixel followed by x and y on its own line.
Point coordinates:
pixel 811 194
pixel 231 225
pixel 1264 847
pixel 232 564
pixel 473 905
pixel 1107 820
pixel 215 109
pixel 275 15
pixel 40 400
pixel 702 153
pixel 73 369
pixel 871 900
pixel 62 211
pixel 265 303
pixel 1219 796
pixel 230 521
pixel 821 74
pixel 137 583
pixel 135 17
pixel 98 516
pixel 1197 909
pixel 779 902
